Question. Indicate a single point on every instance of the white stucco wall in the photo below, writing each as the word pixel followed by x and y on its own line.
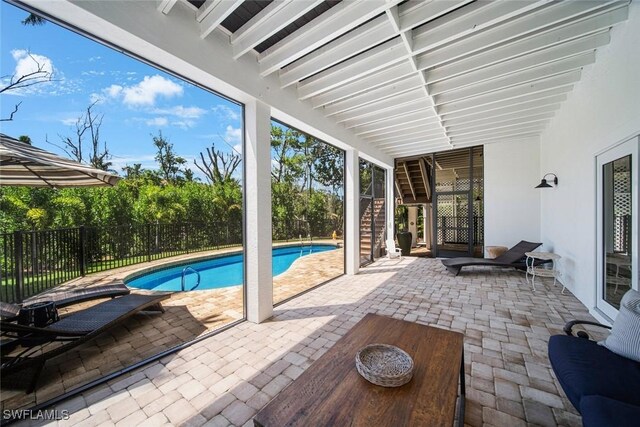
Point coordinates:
pixel 511 204
pixel 603 108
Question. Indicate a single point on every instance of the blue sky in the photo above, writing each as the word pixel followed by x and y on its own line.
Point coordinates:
pixel 137 100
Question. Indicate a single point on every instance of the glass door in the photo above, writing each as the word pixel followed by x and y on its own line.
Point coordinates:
pixel 617 236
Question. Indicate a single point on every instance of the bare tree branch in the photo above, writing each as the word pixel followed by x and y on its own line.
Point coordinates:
pixel 15 110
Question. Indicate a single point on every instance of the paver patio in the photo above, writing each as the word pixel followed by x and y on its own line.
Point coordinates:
pixel 224 380
pixel 188 315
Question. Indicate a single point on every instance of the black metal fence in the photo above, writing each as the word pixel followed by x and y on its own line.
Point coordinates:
pixel 34 261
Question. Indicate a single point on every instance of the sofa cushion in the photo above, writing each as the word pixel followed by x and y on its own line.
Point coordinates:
pixel 598 411
pixel 625 333
pixel 584 368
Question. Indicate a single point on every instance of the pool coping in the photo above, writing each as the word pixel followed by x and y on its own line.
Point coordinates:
pixel 171 264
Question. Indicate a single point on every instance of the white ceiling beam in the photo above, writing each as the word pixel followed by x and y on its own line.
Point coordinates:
pixel 412 145
pixel 383 105
pixel 527 128
pixel 411 107
pixel 519 78
pixel 338 50
pixel 213 12
pixel 492 117
pixel 566 50
pixel 411 140
pixel 165 6
pixel 521 47
pixel 384 92
pixel 513 92
pixel 487 139
pixel 523 137
pixel 414 13
pixel 544 97
pixel 368 83
pixel 468 20
pixel 419 148
pixel 545 19
pixel 409 128
pixel 405 136
pixel 475 128
pixel 277 15
pixel 363 38
pixel 376 59
pixel 397 122
pixel 333 23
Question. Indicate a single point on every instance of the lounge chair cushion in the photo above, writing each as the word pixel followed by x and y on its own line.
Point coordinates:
pixel 585 368
pixel 624 339
pixel 598 411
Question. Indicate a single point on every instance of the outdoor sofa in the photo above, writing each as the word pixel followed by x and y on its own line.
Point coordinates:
pixel 514 257
pixel 26 348
pixel 602 384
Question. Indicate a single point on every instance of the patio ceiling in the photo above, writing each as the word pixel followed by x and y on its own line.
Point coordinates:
pixel 410 77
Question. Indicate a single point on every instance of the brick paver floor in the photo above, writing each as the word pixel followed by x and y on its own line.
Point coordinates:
pixel 187 316
pixel 225 379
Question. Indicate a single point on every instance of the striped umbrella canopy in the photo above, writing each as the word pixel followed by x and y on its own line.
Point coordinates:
pixel 24 165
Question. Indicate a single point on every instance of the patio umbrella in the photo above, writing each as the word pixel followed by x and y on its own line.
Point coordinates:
pixel 24 165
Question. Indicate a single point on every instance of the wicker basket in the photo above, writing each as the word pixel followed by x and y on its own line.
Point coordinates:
pixel 384 365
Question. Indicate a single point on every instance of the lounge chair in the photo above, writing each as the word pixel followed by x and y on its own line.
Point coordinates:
pixel 514 257
pixel 22 370
pixel 66 297
pixel 392 251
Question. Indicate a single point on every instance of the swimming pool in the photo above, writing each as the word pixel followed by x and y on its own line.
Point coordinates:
pixel 219 272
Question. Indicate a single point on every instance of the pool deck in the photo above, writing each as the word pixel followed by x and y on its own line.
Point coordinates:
pixel 187 316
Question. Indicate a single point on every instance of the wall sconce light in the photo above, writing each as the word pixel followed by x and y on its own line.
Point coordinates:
pixel 545 184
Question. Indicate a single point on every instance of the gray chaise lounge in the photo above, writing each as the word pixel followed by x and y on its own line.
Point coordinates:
pixel 514 257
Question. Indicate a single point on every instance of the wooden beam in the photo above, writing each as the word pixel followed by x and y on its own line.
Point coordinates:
pixel 213 12
pixel 330 25
pixel 425 177
pixel 165 6
pixel 555 53
pixel 523 77
pixel 276 16
pixel 520 91
pixel 406 171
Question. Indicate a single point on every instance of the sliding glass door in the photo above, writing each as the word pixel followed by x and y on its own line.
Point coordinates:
pixel 617 238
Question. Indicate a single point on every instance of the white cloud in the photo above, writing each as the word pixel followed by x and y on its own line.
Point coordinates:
pixel 37 68
pixel 182 111
pixel 93 73
pixel 95 58
pixel 233 136
pixel 238 148
pixel 183 124
pixel 158 121
pixel 226 112
pixel 149 89
pixel 69 121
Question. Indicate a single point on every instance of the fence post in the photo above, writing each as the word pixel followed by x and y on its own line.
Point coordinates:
pixel 186 235
pixel 82 255
pixel 148 226
pixel 19 276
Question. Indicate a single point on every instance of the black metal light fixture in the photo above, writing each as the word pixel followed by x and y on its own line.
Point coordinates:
pixel 545 184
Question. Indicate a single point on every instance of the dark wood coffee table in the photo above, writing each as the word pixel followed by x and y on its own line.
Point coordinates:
pixel 332 393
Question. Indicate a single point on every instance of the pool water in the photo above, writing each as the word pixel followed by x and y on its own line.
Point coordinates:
pixel 219 272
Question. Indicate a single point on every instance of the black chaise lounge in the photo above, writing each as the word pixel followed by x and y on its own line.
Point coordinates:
pixel 514 257
pixel 32 346
pixel 67 297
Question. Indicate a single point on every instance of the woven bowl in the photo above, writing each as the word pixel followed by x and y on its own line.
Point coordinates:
pixel 384 365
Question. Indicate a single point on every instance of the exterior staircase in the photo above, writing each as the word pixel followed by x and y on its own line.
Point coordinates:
pixel 366 230
pixel 413 181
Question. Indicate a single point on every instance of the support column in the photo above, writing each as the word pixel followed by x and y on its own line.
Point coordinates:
pixel 257 167
pixel 413 225
pixel 391 202
pixel 352 216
